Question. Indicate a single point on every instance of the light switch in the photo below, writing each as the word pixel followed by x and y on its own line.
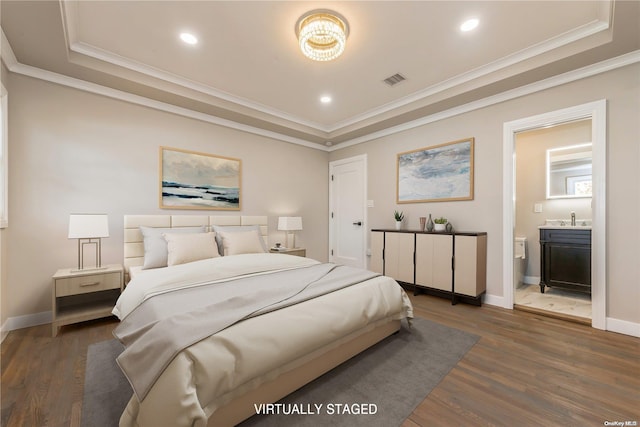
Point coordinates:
pixel 537 207
pixel 369 203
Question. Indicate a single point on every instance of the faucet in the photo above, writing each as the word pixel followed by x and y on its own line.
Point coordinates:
pixel 573 219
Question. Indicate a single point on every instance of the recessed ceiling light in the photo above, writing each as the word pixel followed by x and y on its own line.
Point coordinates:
pixel 325 99
pixel 188 38
pixel 469 24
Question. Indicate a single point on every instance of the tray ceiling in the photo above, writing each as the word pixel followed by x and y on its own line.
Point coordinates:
pixel 247 67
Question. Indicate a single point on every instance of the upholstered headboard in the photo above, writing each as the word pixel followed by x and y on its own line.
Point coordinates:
pixel 133 242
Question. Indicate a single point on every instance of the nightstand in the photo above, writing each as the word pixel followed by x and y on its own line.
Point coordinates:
pixel 84 295
pixel 292 251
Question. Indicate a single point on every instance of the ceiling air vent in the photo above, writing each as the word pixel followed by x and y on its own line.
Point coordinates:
pixel 395 79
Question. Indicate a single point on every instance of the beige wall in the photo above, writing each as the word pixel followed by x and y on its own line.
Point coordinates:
pixel 531 151
pixel 620 87
pixel 74 152
pixel 4 309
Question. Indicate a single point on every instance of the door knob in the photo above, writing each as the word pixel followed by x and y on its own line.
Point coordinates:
pixel 359 223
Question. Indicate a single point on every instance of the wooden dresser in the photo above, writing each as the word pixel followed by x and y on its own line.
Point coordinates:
pixel 447 264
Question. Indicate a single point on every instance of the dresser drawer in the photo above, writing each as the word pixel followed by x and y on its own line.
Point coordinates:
pixel 86 284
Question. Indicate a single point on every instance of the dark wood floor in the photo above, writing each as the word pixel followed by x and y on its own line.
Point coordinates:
pixel 43 377
pixel 526 370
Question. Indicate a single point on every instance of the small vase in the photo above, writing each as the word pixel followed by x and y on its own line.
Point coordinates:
pixel 429 224
pixel 398 225
pixel 423 223
pixel 449 227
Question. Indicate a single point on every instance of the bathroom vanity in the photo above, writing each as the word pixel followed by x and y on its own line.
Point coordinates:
pixel 565 258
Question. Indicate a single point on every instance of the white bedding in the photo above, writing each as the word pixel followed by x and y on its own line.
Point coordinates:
pixel 147 283
pixel 135 270
pixel 217 369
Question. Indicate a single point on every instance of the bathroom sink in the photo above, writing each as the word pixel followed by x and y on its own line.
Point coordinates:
pixel 581 224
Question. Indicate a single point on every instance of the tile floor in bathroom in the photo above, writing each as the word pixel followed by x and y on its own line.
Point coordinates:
pixel 554 300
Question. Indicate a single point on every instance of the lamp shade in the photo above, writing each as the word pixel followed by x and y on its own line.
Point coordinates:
pixel 289 223
pixel 85 226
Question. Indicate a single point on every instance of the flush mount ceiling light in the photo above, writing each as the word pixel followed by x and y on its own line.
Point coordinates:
pixel 322 34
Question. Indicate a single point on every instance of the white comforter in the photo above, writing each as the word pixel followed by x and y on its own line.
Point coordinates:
pixel 212 372
pixel 151 282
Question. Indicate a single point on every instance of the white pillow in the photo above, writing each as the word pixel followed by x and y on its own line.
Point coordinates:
pixel 241 242
pixel 155 246
pixel 235 229
pixel 184 248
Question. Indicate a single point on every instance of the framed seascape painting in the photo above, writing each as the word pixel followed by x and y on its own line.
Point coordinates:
pixel 436 174
pixel 191 180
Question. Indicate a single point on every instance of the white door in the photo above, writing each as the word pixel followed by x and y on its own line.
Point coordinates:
pixel 348 211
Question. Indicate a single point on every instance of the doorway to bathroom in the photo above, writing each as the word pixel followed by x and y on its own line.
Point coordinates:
pixel 553 177
pixel 596 111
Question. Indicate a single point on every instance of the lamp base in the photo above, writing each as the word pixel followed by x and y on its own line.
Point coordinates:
pixel 87 241
pixel 292 240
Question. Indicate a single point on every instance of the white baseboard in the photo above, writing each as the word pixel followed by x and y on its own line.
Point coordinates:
pixel 531 280
pixel 3 332
pixel 496 300
pixel 623 327
pixel 613 325
pixel 26 321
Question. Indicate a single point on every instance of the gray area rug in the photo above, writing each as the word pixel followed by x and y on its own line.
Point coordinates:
pixel 390 379
pixel 106 389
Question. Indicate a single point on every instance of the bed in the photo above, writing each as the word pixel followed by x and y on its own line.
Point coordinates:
pixel 308 318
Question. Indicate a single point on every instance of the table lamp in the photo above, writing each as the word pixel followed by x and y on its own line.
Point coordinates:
pixel 89 229
pixel 290 224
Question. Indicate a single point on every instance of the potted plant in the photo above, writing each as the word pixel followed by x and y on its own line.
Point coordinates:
pixel 399 216
pixel 440 224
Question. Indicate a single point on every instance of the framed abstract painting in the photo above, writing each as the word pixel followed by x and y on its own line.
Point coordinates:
pixel 192 180
pixel 436 174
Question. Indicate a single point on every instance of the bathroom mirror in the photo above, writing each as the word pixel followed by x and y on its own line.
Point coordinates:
pixel 569 171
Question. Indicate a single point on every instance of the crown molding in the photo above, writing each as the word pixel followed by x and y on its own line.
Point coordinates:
pixel 584 31
pixel 156 73
pixel 69 23
pixel 6 52
pixel 70 16
pixel 561 79
pixel 14 66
